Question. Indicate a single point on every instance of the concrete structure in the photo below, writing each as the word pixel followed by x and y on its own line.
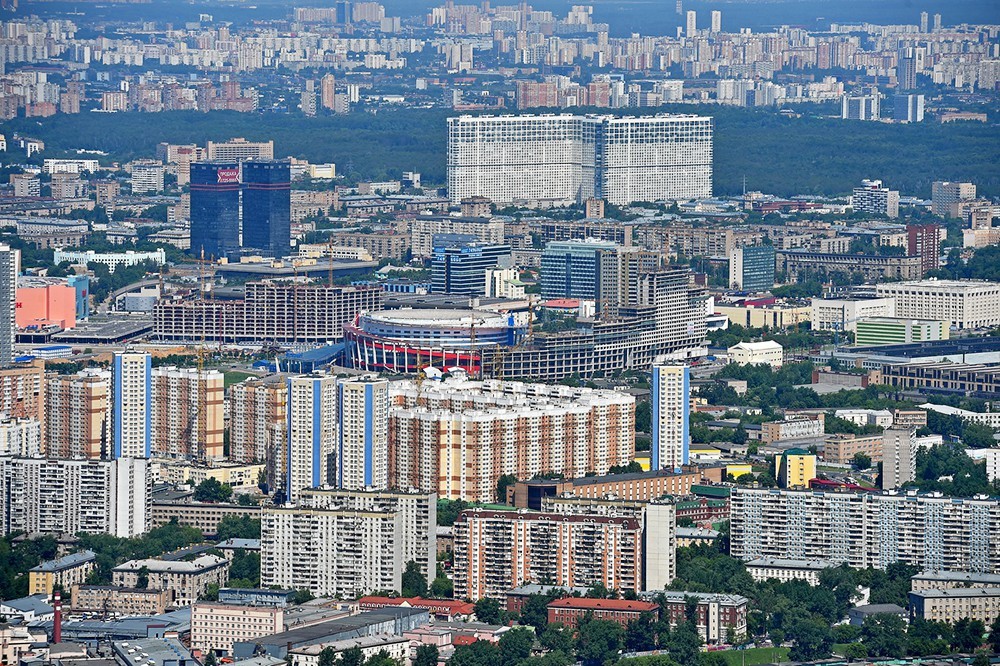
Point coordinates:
pixel 122 601
pixel 70 496
pixel 270 313
pixel 216 626
pixel 152 651
pixel 458 437
pixel 362 434
pixel 570 610
pixel 393 647
pixel 872 197
pixel 51 304
pixel 203 516
pixel 113 260
pixel 982 381
pixel 348 543
pixel 489 561
pixel 147 178
pixel 801 265
pixel 785 569
pixel 187 414
pixel 460 264
pixel 795 468
pixel 908 108
pixel 573 158
pixel 131 408
pixel 792 427
pixel 946 580
pixel 992 458
pixel 952 605
pixel 258 413
pixel 962 303
pixel 65 572
pixel 423 229
pixel 637 487
pixel 187 580
pixel 718 617
pixel 670 405
pixel 312 433
pixel 751 268
pixel 924 241
pixel 239 149
pixel 768 315
pixel 946 197
pixel 898 330
pixel 866 529
pixel 860 107
pixel 20 437
pixel 841 448
pixel 899 457
pixel 768 352
pixel 572 269
pixel 10 266
pixel 77 414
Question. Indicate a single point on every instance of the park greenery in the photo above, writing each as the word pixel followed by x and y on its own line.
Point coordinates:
pixel 777 153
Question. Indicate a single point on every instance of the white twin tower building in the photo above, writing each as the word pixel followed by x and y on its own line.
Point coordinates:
pixel 559 159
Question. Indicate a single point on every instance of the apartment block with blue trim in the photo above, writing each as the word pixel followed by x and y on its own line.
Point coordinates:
pixel 670 403
pixel 312 433
pixel 131 387
pixel 363 434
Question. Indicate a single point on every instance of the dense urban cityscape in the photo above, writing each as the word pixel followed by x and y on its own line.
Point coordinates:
pixel 357 334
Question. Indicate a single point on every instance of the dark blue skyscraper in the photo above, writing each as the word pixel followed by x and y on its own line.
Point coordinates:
pixel 267 203
pixel 215 209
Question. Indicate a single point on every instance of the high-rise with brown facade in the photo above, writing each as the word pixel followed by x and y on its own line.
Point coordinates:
pixel 76 408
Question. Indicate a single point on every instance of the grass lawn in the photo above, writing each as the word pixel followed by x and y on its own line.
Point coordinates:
pixel 235 377
pixel 755 656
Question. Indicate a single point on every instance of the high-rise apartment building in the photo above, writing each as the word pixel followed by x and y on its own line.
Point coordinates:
pixel 347 543
pixel 907 62
pixel 307 99
pixel 238 150
pixel 215 209
pixel 460 263
pixel 187 414
pixel 362 434
pixel 26 184
pixel 670 408
pixel 923 22
pixel 908 108
pixel 716 21
pixel 425 228
pixel 860 107
pixel 690 23
pixel 873 198
pixel 496 551
pixel 795 468
pixel 312 433
pixel 147 178
pixel 131 381
pixel 328 92
pixel 10 266
pixel 751 268
pixel 267 206
pixel 258 413
pixel 899 453
pixel 20 437
pixel 963 304
pixel 459 437
pixel 77 417
pixel 49 496
pixel 924 241
pixel 568 158
pixel 929 531
pixel 946 197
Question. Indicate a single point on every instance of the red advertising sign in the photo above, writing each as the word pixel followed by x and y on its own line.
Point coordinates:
pixel 229 175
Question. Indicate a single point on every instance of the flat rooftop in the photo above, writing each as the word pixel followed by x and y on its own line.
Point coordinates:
pixel 106 330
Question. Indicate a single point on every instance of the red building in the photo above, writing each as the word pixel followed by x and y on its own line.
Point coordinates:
pixel 568 611
pixel 441 609
pixel 924 241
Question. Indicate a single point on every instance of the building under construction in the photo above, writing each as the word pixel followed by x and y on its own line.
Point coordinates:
pixel 269 313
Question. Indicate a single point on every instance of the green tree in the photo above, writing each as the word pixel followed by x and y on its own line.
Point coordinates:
pixel 855 651
pixel 515 646
pixel 968 635
pixel 813 640
pixel 535 611
pixel 598 642
pixel 480 653
pixel 426 655
pixel 861 461
pixel 995 634
pixel 884 635
pixel 381 658
pixel 328 657
pixel 352 657
pixel 640 634
pixel 502 484
pixel 684 643
pixel 414 582
pixel 302 596
pixel 142 579
pixel 557 638
pixel 488 610
pixel 212 490
pixel 210 659
pixel 442 587
pixel 238 527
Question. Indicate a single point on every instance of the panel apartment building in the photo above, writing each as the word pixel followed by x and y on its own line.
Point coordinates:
pixel 496 551
pixel 863 530
pixel 962 303
pixel 71 496
pixel 458 438
pixel 347 543
pixel 572 158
